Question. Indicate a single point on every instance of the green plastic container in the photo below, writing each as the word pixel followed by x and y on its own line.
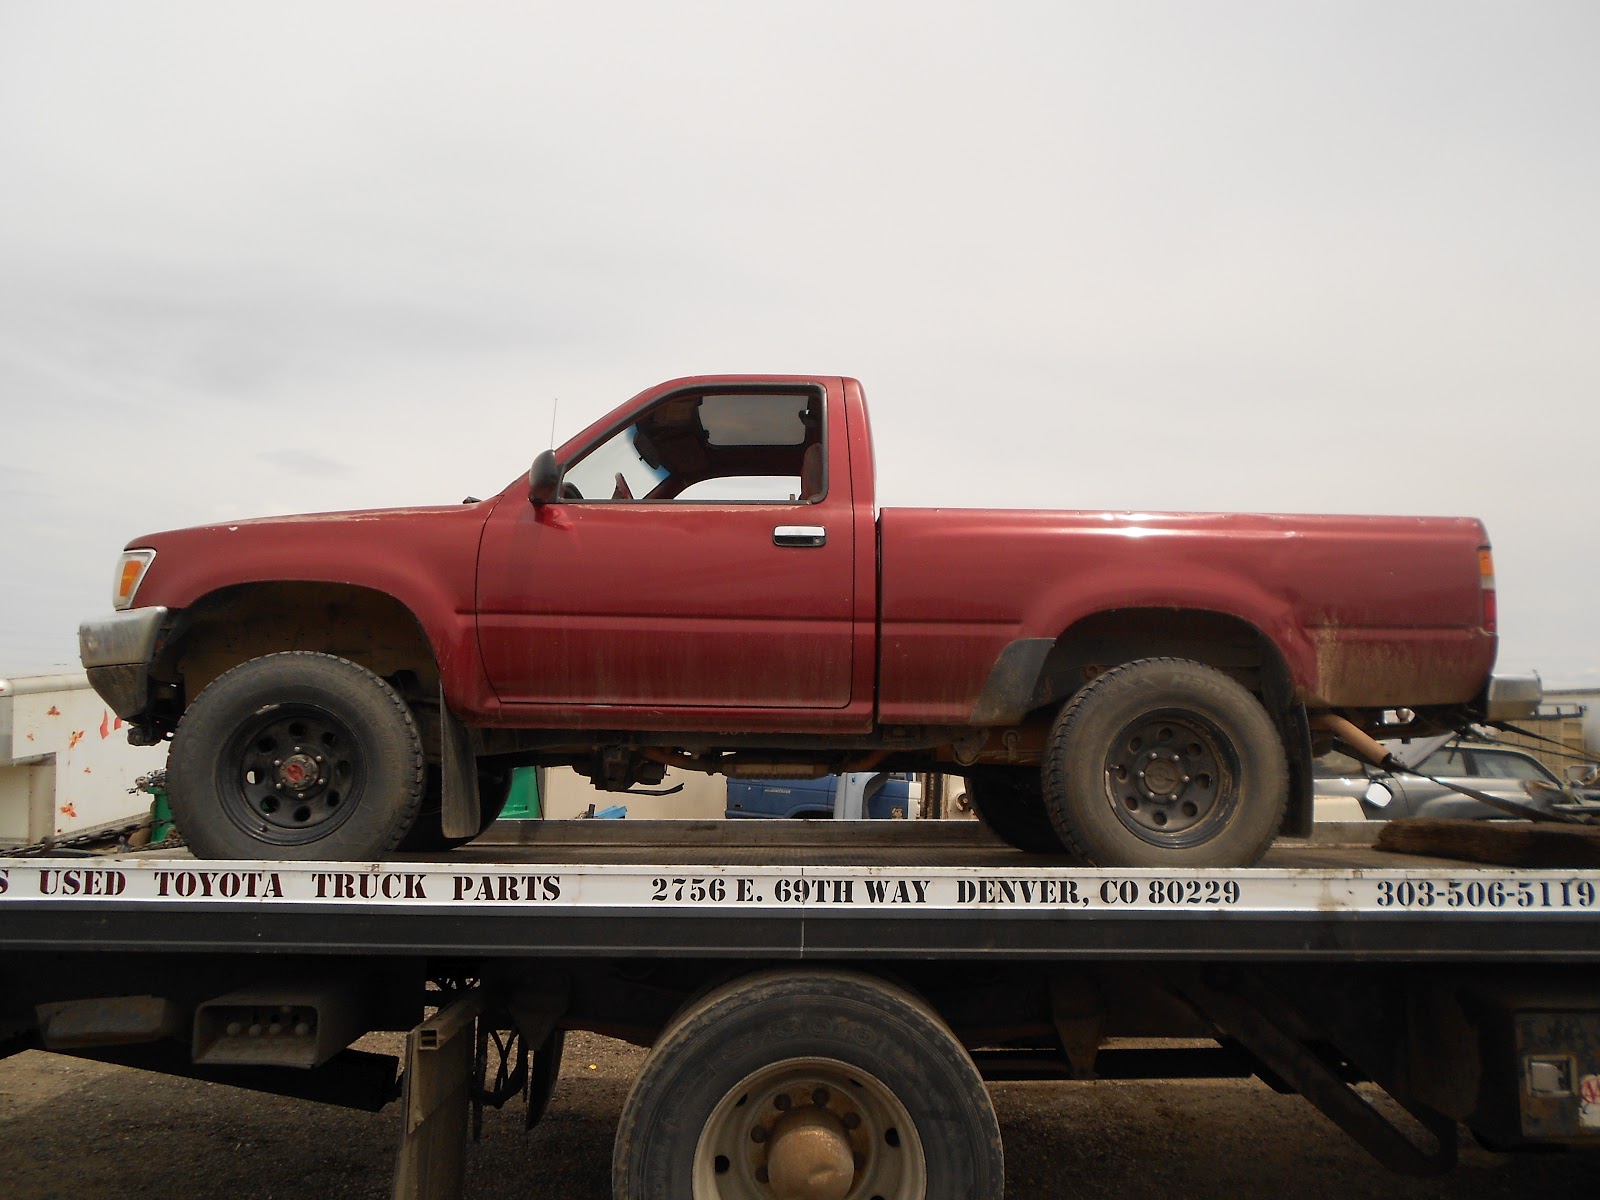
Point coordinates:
pixel 523 802
pixel 160 817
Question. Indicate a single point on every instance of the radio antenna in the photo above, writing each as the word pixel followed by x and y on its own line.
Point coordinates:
pixel 555 407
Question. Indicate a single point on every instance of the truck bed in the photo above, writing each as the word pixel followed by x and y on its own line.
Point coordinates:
pixel 805 891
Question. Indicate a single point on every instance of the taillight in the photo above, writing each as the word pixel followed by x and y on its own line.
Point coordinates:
pixel 1486 586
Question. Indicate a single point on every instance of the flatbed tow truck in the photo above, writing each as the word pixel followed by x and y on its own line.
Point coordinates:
pixel 702 580
pixel 824 1002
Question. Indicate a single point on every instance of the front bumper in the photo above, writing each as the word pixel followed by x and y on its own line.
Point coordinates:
pixel 116 651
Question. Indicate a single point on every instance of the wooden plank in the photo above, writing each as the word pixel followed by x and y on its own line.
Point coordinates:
pixel 1501 843
pixel 436 1091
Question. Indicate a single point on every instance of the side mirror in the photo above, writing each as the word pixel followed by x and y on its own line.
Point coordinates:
pixel 1583 774
pixel 544 479
pixel 1377 795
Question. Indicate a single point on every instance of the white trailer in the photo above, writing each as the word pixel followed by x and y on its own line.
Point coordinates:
pixel 65 764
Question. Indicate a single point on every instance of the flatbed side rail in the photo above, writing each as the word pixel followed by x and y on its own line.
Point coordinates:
pixel 799 911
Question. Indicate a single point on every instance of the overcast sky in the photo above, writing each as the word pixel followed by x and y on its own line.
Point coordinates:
pixel 1315 257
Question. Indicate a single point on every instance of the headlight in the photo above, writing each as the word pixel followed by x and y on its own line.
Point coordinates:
pixel 130 571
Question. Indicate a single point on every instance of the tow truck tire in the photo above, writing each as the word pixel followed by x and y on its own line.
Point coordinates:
pixel 1010 801
pixel 837 1078
pixel 1165 762
pixel 296 755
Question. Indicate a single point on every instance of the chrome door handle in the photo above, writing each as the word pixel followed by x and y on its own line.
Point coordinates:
pixel 799 535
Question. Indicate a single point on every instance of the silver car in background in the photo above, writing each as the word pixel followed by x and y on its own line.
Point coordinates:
pixel 1494 770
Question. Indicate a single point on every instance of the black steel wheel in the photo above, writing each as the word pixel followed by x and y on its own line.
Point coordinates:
pixel 1165 762
pixel 296 755
pixel 1010 801
pixel 807 1083
pixel 286 774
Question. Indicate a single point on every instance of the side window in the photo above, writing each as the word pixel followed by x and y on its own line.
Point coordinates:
pixel 613 470
pixel 769 489
pixel 1444 762
pixel 717 447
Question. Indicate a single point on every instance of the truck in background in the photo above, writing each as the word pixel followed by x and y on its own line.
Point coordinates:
pixel 854 796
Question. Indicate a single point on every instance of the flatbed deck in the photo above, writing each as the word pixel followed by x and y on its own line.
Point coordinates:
pixel 805 891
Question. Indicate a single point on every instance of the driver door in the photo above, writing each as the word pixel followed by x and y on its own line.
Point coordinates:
pixel 701 557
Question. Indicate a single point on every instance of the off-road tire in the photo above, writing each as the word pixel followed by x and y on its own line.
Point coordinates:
pixel 236 775
pixel 426 835
pixel 1010 801
pixel 1164 762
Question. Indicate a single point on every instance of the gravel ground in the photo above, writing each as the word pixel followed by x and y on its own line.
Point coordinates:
pixel 91 1132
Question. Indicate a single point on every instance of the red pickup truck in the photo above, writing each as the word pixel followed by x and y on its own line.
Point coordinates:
pixel 702 579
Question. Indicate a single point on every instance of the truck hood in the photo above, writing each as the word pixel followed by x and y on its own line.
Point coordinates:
pixel 327 520
pixel 396 550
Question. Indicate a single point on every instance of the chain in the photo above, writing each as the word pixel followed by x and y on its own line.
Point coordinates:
pixel 105 840
pixel 102 841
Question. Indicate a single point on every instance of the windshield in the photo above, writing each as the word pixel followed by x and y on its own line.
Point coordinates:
pixel 1510 766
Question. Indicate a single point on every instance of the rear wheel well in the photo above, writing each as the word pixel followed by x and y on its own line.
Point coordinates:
pixel 237 624
pixel 1097 643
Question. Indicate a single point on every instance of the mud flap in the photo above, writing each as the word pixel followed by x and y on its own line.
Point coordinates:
pixel 460 807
